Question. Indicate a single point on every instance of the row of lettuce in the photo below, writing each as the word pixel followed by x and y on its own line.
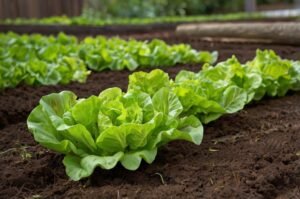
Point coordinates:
pixel 128 127
pixel 81 20
pixel 49 60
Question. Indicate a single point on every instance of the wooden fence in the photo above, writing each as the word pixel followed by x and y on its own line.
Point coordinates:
pixel 39 8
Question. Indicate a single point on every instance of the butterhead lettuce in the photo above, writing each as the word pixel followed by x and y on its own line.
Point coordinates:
pixel 101 131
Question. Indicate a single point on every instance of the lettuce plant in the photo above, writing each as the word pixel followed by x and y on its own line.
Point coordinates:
pixel 101 53
pixel 101 131
pixel 198 94
pixel 96 21
pixel 225 88
pixel 48 60
pixel 39 60
pixel 110 128
pixel 278 75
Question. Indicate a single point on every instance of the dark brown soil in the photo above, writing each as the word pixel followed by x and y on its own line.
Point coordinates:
pixel 90 30
pixel 251 154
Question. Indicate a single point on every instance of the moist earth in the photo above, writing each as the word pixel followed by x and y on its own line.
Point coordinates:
pixel 254 153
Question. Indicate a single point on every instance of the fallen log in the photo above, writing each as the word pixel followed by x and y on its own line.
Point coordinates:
pixel 283 32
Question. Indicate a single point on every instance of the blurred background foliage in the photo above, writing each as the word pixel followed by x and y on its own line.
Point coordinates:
pixel 153 8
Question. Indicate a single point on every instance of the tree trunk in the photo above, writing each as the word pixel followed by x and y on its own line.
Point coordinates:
pixel 284 32
pixel 297 3
pixel 250 5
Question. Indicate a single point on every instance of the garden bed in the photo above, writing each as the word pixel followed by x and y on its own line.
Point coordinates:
pixel 250 154
pixel 116 29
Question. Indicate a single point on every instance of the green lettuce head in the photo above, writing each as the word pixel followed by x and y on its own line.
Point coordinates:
pixel 101 131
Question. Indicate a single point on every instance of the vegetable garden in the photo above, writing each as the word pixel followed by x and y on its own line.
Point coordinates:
pixel 148 116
